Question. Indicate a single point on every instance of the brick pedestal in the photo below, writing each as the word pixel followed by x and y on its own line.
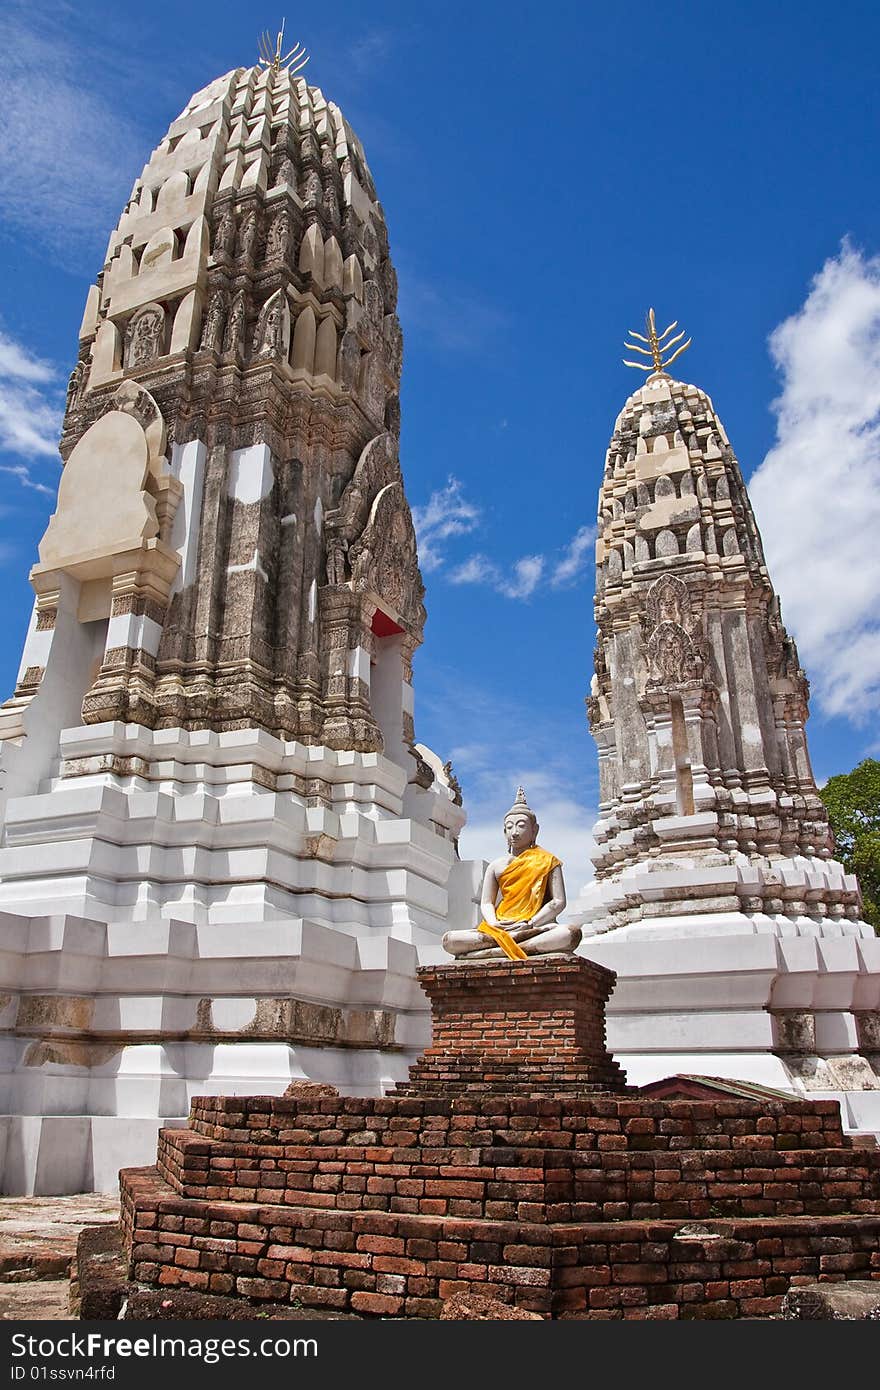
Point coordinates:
pixel 516 1028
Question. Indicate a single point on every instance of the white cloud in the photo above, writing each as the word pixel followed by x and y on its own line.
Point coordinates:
pixel 527 576
pixel 519 581
pixel 62 136
pixel 30 419
pixel 817 493
pixel 16 361
pixel 446 513
pixel 501 745
pixel 566 824
pixel 370 50
pixel 573 560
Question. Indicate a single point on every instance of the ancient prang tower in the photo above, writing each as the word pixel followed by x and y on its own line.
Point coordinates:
pixel 735 933
pixel 221 846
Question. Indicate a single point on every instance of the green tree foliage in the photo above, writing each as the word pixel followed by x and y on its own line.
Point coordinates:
pixel 853 803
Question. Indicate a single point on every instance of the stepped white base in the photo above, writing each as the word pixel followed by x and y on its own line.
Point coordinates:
pixel 788 1002
pixel 111 1029
pixel 191 913
pixel 233 827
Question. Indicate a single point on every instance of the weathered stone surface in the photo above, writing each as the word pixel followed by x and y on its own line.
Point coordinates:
pixel 99 1283
pixel 38 1235
pixel 474 1307
pixel 38 1300
pixel 856 1300
pixel 185 1305
pixel 309 1090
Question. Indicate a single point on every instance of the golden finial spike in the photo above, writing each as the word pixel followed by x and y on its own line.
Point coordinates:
pixel 276 59
pixel 658 345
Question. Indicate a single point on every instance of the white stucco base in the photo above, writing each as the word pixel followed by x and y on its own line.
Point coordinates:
pixel 191 913
pixel 788 1002
pixel 111 1029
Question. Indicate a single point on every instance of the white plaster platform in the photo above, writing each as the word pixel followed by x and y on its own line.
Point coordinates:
pixel 111 1029
pixel 788 1002
pixel 190 913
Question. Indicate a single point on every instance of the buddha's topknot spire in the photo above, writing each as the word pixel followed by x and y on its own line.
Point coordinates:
pixel 520 805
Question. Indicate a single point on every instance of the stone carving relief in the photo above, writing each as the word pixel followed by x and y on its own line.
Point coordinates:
pixel 311 190
pixel 384 559
pixel 144 338
pixel 671 656
pixel 247 236
pixel 372 386
pixel 279 235
pixel 215 321
pixel 74 386
pixel 673 649
pixel 668 601
pixel 337 556
pixel 272 336
pixel 234 335
pixel 375 469
pixel 393 335
pixel 224 234
pixel 349 359
pixel 286 173
pixel 373 302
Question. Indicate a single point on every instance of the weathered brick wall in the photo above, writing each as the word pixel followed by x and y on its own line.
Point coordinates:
pixel 524 1159
pixel 581 1200
pixel 572 1208
pixel 383 1263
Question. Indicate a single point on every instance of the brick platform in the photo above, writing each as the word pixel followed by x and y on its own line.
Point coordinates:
pixel 517 1028
pixel 572 1205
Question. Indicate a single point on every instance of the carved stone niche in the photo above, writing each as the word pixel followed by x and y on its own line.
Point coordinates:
pixel 672 658
pixel 671 626
pixel 145 336
pixel 119 460
pixel 668 601
pixel 272 334
pixel 384 560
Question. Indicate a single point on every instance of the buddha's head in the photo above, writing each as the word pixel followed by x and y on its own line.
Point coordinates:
pixel 520 825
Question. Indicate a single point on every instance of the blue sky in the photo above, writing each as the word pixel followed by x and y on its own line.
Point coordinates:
pixel 547 173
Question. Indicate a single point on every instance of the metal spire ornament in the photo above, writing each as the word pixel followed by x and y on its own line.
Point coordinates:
pixel 293 61
pixel 657 346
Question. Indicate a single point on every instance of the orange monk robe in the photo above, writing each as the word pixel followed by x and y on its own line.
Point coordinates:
pixel 523 885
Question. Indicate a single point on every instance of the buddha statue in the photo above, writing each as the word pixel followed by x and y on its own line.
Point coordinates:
pixel 523 894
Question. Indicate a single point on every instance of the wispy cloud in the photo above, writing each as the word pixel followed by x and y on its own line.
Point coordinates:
pixel 520 580
pixel 447 513
pixel 502 745
pixel 817 493
pixel 574 558
pixel 62 136
pixel 370 50
pixel 30 410
pixel 446 317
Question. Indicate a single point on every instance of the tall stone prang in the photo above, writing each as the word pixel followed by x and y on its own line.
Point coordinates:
pixel 222 849
pixel 735 933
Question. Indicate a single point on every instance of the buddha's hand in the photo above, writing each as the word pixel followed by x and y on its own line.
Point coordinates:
pixel 521 931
